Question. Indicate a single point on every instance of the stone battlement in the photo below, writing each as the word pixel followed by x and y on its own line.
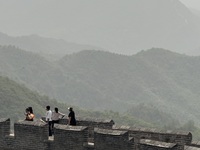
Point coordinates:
pixel 90 134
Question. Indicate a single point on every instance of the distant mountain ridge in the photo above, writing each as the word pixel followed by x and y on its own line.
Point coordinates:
pixel 47 47
pixel 102 81
pixel 120 27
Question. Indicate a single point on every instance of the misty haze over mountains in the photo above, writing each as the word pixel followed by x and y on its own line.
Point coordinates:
pixel 118 26
pixel 104 81
pixel 47 47
pixel 98 54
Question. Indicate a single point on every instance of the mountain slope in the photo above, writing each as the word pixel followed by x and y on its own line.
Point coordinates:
pixel 102 81
pixel 15 98
pixel 156 77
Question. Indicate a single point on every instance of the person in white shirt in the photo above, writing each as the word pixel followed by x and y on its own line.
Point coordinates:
pixel 49 119
pixel 56 115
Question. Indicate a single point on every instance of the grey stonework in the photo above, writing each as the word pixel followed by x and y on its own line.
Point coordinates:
pixel 179 137
pixel 70 137
pixel 90 123
pixel 90 134
pixel 105 139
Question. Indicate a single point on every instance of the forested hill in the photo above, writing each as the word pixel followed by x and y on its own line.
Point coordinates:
pixel 102 81
pixel 15 98
pixel 168 80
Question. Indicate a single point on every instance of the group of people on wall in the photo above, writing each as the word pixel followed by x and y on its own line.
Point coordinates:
pixel 51 117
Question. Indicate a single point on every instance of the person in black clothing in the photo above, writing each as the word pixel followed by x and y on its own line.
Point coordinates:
pixel 31 110
pixel 71 116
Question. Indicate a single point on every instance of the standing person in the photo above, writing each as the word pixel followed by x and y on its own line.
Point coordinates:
pixel 49 119
pixel 56 116
pixel 71 116
pixel 29 115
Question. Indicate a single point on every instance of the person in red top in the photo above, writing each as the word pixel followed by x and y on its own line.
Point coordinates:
pixel 29 114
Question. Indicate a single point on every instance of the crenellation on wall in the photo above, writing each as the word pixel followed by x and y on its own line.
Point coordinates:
pixel 151 144
pixel 95 123
pixel 107 139
pixel 33 132
pixel 4 130
pixel 157 135
pixel 105 136
pixel 70 137
pixel 4 127
pixel 91 123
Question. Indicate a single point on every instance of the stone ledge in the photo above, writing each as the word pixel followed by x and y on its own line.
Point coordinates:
pixel 39 123
pixel 68 127
pixel 157 143
pixel 4 119
pixel 110 132
pixel 95 120
pixel 191 148
pixel 152 130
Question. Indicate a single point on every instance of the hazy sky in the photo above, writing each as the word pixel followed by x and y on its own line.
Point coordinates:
pixel 102 23
pixel 192 3
pixel 18 11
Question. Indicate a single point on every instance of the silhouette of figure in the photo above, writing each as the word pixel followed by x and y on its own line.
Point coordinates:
pixel 71 116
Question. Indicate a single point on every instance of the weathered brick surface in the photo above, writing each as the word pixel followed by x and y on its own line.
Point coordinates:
pixel 31 135
pixel 4 130
pixel 95 123
pixel 151 144
pixel 105 139
pixel 157 135
pixel 70 137
pixel 90 135
pixel 91 124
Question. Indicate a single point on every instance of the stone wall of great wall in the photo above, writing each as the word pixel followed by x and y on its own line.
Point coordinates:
pixel 90 134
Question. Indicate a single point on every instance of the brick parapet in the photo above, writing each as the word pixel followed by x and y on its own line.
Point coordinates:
pixel 151 144
pixel 4 131
pixel 4 127
pixel 95 123
pixel 105 139
pixel 180 137
pixel 28 133
pixel 91 124
pixel 70 137
pixel 34 135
